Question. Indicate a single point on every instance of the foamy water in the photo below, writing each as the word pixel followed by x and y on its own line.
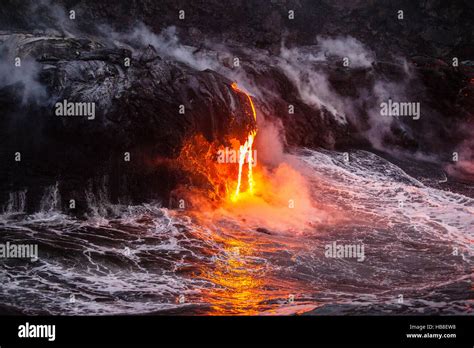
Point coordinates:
pixel 149 259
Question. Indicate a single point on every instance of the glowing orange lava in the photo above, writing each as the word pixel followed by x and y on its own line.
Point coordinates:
pixel 246 150
pixel 213 168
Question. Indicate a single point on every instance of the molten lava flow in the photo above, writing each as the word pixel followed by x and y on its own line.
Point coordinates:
pixel 208 162
pixel 246 150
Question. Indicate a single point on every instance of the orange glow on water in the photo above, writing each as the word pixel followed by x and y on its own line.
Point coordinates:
pixel 239 284
pixel 243 206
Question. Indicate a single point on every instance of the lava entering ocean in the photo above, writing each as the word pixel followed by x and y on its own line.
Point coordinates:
pixel 220 173
pixel 246 151
pixel 272 194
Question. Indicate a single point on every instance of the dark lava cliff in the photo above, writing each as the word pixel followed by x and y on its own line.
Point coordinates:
pixel 138 104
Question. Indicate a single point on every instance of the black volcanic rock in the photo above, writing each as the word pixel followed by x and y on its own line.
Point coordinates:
pixel 136 111
pixel 137 106
pixel 432 27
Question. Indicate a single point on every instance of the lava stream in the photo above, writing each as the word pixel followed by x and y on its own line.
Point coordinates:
pixel 246 150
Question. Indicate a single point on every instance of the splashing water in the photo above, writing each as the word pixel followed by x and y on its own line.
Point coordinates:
pixel 227 260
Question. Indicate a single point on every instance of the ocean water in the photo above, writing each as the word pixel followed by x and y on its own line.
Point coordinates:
pixel 147 259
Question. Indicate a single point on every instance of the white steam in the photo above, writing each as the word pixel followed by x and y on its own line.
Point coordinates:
pixel 463 167
pixel 24 72
pixel 306 67
pixel 347 47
